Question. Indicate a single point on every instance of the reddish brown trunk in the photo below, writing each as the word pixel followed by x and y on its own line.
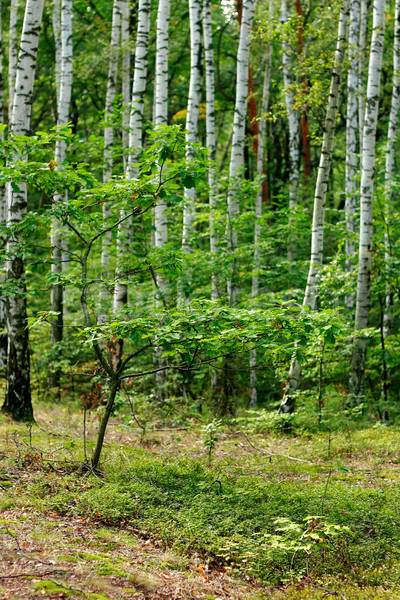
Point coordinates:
pixel 253 112
pixel 305 135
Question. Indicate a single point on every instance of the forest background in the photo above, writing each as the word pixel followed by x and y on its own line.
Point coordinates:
pixel 199 216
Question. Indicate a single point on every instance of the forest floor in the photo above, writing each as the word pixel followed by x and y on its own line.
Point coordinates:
pixel 163 523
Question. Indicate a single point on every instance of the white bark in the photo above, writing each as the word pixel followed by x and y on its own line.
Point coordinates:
pixel 317 232
pixel 3 219
pixel 56 19
pixel 12 54
pixel 18 394
pixel 237 153
pixel 126 75
pixel 135 136
pixel 63 106
pixel 210 133
pixel 258 211
pixel 366 201
pixel 352 138
pixel 108 146
pixel 390 164
pixel 361 68
pixel 161 118
pixel 294 131
pixel 192 120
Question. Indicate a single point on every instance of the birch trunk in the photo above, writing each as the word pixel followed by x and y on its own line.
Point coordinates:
pixel 294 134
pixel 3 219
pixel 161 118
pixel 108 147
pixel 237 153
pixel 317 232
pixel 259 199
pixel 135 136
pixel 361 68
pixel 12 54
pixel 126 76
pixel 390 165
pixel 352 138
pixel 192 119
pixel 18 401
pixel 64 100
pixel 356 383
pixel 56 21
pixel 210 132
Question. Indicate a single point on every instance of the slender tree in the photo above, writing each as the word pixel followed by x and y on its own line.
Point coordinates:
pixel 237 153
pixel 3 219
pixel 352 138
pixel 18 401
pixel 12 54
pixel 108 145
pixel 192 119
pixel 63 105
pixel 135 136
pixel 259 203
pixel 56 21
pixel 210 132
pixel 294 131
pixel 126 75
pixel 357 367
pixel 317 232
pixel 390 164
pixel 361 67
pixel 161 118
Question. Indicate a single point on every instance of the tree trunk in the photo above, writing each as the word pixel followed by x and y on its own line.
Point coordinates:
pixel 317 232
pixel 12 54
pixel 126 77
pixel 351 139
pixel 192 119
pixel 3 219
pixel 18 401
pixel 211 144
pixel 357 367
pixel 361 68
pixel 236 162
pixel 108 147
pixel 161 118
pixel 305 134
pixel 259 203
pixel 390 166
pixel 294 134
pixel 160 209
pixel 64 100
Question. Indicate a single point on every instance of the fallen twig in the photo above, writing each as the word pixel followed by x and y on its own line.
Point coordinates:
pixel 276 453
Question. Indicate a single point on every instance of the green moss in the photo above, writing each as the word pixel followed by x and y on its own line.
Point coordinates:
pixel 49 587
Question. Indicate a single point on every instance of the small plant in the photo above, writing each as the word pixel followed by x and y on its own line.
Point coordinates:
pixel 211 437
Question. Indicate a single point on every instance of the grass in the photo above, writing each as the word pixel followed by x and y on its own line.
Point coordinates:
pixel 245 514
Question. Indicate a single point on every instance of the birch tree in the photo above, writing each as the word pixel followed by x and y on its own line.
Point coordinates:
pixel 161 118
pixel 317 231
pixel 108 145
pixel 294 131
pixel 237 153
pixel 64 100
pixel 12 54
pixel 56 21
pixel 192 119
pixel 361 68
pixel 390 164
pixel 18 393
pixel 357 366
pixel 3 219
pixel 258 208
pixel 135 136
pixel 210 133
pixel 352 137
pixel 126 75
